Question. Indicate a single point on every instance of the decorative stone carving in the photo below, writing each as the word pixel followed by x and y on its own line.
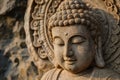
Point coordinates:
pixel 47 19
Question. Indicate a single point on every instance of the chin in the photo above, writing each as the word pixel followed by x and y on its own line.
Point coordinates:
pixel 75 69
pixel 72 68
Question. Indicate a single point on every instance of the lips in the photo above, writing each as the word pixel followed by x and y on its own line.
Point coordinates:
pixel 70 60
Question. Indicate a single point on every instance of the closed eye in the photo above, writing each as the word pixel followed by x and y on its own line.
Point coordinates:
pixel 58 41
pixel 77 40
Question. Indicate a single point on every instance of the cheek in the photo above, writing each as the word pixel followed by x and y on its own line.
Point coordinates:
pixel 58 51
pixel 83 50
pixel 84 54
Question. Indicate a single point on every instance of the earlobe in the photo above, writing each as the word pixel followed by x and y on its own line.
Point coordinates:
pixel 98 56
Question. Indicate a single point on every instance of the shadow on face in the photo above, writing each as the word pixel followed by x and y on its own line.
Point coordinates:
pixel 73 47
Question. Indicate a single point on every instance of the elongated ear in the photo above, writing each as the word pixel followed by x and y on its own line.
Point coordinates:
pixel 98 56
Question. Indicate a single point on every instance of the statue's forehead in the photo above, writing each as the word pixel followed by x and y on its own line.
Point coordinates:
pixel 69 31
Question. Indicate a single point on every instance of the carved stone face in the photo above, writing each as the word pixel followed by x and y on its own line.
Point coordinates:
pixel 73 47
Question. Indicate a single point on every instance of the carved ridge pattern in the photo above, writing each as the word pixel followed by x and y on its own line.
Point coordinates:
pixel 112 55
pixel 38 25
pixel 112 8
pixel 111 47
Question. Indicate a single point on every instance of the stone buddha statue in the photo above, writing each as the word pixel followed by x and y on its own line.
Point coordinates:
pixel 76 38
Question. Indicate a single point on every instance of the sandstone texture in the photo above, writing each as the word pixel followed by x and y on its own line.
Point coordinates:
pixel 16 63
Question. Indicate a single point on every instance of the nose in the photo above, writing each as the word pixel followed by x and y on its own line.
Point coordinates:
pixel 68 52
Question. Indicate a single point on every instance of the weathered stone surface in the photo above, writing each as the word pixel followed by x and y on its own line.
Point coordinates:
pixel 6 6
pixel 12 37
pixel 29 59
pixel 15 61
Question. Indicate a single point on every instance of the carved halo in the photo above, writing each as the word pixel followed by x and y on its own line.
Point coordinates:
pixel 41 40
